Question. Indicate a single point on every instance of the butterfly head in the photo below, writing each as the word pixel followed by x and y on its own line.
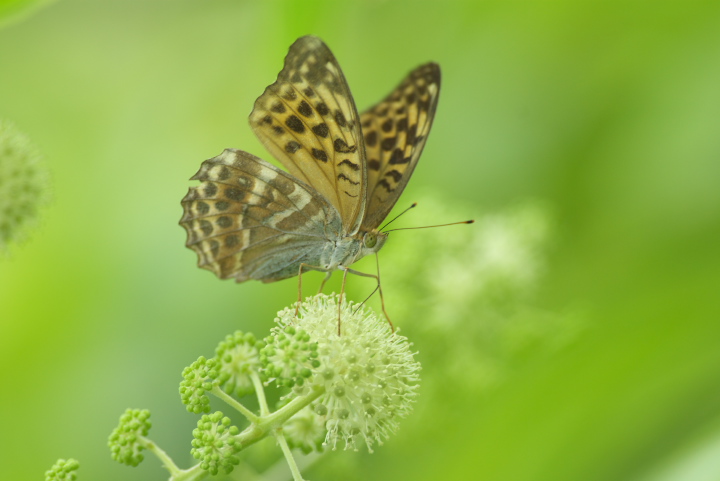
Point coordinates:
pixel 372 242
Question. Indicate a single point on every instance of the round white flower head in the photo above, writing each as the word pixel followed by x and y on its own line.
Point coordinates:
pixel 368 373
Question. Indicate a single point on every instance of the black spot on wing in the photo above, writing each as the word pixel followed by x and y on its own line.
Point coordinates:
pixel 321 130
pixel 320 154
pixel 295 124
pixel 388 143
pixel 202 207
pixel 341 146
pixel 233 193
pixel 292 147
pixel 347 179
pixel 210 190
pixel 350 164
pixel 340 118
pixel 322 109
pixel 206 227
pixel 305 109
pixel 396 176
pixel 224 173
pixel 386 185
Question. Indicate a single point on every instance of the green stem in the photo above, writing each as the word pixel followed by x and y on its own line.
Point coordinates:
pixel 259 428
pixel 161 455
pixel 260 391
pixel 194 473
pixel 278 418
pixel 219 393
pixel 288 455
pixel 266 424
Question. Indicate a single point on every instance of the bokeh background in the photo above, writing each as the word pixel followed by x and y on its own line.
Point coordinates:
pixel 572 333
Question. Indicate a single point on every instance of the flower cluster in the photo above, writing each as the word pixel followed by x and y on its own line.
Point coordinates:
pixel 237 356
pixel 368 373
pixel 215 443
pixel 335 389
pixel 23 183
pixel 63 470
pixel 198 379
pixel 290 356
pixel 126 441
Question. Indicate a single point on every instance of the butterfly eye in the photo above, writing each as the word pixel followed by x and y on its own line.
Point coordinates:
pixel 370 240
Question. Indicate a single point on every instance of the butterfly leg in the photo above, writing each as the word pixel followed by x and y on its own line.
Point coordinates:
pixel 304 268
pixel 379 288
pixel 342 293
pixel 322 284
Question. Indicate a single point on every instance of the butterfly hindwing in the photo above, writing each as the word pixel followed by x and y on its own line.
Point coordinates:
pixel 250 220
pixel 307 119
pixel 395 131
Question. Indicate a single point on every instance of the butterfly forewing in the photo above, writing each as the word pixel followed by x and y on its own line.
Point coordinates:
pixel 395 131
pixel 250 220
pixel 308 121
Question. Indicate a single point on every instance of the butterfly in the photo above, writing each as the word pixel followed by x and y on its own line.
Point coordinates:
pixel 251 220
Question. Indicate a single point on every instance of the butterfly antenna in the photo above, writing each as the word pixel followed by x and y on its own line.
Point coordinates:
pixel 396 217
pixel 428 226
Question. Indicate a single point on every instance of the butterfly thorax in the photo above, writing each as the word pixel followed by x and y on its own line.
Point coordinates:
pixel 348 250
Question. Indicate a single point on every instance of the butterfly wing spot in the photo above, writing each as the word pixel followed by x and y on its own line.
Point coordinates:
pixel 320 154
pixel 341 146
pixel 350 164
pixel 305 109
pixel 292 147
pixel 388 143
pixel 322 109
pixel 396 175
pixel 202 208
pixel 295 124
pixel 346 179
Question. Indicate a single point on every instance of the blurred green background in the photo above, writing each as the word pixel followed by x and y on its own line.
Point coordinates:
pixel 604 114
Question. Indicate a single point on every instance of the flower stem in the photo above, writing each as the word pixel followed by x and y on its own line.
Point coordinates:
pixel 288 455
pixel 278 418
pixel 167 462
pixel 230 401
pixel 265 424
pixel 260 391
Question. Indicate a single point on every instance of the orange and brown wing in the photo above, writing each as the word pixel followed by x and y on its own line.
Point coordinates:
pixel 308 121
pixel 395 131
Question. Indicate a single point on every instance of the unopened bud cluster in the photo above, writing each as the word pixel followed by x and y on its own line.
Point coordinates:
pixel 23 183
